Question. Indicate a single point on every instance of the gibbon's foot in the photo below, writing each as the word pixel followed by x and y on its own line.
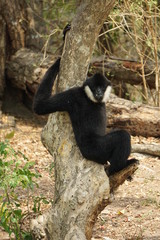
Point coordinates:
pixel 66 29
pixel 129 162
pixel 132 161
pixel 119 178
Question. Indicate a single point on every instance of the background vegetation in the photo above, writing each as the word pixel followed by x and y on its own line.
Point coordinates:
pixel 131 32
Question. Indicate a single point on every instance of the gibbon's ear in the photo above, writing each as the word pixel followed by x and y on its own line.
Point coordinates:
pixel 107 94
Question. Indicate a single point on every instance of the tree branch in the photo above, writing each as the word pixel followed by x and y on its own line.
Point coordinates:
pixel 151 149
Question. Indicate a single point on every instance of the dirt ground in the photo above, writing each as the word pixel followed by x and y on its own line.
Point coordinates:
pixel 134 214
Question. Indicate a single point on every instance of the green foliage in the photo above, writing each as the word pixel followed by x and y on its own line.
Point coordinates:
pixel 15 175
pixel 59 11
pixel 134 25
pixel 37 203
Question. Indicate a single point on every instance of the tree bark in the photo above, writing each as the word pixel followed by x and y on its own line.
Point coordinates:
pixel 22 30
pixel 18 28
pixel 39 226
pixel 26 68
pixel 81 187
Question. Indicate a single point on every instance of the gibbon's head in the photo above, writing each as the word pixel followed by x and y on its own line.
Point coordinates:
pixel 97 88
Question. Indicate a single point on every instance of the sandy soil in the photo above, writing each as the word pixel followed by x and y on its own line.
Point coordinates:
pixel 134 214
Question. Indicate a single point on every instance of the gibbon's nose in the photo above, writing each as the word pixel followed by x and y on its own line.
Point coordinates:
pixel 99 94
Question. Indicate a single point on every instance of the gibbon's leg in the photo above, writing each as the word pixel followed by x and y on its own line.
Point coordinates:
pixel 114 147
pixel 121 142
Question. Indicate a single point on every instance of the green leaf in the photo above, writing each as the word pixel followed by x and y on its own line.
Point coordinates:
pixel 18 212
pixel 10 135
pixel 27 236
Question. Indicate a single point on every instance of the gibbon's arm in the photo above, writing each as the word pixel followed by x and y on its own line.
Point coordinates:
pixel 43 102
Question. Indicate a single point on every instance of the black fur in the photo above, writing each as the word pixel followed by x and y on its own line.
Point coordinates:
pixel 88 119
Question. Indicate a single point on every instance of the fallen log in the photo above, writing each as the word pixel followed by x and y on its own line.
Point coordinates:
pixel 26 69
pixel 137 118
pixel 126 71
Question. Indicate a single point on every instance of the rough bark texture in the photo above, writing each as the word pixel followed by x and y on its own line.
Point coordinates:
pixel 20 19
pixel 137 118
pixel 84 32
pixel 18 28
pixel 14 15
pixel 26 68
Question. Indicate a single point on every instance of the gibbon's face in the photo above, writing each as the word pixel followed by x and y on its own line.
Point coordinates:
pixel 98 88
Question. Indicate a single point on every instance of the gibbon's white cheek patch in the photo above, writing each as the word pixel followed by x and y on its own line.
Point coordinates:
pixel 89 94
pixel 107 94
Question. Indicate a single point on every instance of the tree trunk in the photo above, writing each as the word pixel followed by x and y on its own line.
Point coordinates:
pixel 81 187
pixel 20 19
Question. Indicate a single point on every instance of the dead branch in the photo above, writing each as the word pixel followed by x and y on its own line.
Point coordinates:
pixel 151 149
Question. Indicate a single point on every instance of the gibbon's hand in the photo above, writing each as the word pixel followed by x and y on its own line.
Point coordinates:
pixel 66 29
